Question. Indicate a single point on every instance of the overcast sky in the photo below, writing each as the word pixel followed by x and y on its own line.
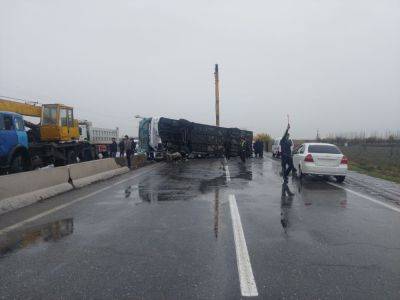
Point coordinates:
pixel 332 65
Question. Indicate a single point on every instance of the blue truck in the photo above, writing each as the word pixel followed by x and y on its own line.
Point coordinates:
pixel 14 153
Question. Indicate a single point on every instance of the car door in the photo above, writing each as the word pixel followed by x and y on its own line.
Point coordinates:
pixel 297 154
pixel 22 137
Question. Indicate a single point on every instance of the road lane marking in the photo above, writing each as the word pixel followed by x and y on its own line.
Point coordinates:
pixel 227 173
pixel 248 286
pixel 226 169
pixel 57 208
pixel 366 197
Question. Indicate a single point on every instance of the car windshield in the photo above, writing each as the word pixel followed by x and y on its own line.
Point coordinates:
pixel 323 149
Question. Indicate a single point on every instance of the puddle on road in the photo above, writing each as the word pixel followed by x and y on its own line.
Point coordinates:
pixel 179 185
pixel 314 190
pixel 207 185
pixel 216 212
pixel 243 171
pixel 286 205
pixel 42 233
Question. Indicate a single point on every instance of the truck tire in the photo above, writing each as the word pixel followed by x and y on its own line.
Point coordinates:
pixel 87 155
pixel 71 158
pixel 17 163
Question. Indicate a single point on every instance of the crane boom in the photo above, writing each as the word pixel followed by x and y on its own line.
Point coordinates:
pixel 24 109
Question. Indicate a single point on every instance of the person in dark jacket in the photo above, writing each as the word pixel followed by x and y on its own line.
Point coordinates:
pixel 242 149
pixel 286 155
pixel 255 147
pixel 113 148
pixel 128 146
pixel 227 147
pixel 260 149
pixel 121 148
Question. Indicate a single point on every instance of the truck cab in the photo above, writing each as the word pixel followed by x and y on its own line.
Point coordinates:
pixel 14 155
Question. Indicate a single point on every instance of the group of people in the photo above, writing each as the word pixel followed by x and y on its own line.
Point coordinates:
pixel 243 150
pixel 127 146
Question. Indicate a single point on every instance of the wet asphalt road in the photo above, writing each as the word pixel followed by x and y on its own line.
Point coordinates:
pixel 165 232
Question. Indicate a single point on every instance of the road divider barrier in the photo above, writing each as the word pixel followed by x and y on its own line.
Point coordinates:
pixel 22 189
pixel 91 171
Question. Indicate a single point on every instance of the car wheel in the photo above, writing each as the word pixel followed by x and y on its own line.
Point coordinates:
pixel 340 179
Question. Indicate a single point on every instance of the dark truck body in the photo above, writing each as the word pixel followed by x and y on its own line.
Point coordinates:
pixel 189 138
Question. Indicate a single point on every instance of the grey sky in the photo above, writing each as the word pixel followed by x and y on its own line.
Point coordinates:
pixel 332 65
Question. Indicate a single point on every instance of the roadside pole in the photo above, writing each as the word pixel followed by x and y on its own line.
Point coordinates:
pixel 216 95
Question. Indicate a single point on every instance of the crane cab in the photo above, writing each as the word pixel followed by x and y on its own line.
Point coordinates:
pixel 58 124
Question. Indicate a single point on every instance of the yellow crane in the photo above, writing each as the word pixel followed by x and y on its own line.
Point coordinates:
pixel 57 123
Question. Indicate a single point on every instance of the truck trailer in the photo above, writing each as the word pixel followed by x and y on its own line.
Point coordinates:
pixel 100 138
pixel 164 135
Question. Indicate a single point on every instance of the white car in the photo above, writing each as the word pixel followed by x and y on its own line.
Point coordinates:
pixel 276 147
pixel 320 159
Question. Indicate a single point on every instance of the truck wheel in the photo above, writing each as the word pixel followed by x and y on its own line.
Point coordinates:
pixel 17 163
pixel 71 158
pixel 87 155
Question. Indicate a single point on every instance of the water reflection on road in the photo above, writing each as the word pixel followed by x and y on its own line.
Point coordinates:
pixel 216 211
pixel 286 205
pixel 42 233
pixel 315 191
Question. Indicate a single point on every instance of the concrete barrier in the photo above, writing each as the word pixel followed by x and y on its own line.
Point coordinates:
pixel 22 189
pixel 88 172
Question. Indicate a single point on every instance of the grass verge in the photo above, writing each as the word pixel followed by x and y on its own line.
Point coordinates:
pixel 383 173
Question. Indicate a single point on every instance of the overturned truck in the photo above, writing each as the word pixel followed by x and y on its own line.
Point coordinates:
pixel 160 136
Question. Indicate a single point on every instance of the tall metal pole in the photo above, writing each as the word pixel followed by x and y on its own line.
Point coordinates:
pixel 216 95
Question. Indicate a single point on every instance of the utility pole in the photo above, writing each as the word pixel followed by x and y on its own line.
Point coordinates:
pixel 216 95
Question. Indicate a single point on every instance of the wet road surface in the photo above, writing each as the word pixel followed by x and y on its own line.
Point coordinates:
pixel 204 229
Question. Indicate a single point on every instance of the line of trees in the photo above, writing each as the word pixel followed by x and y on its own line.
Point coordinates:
pixel 359 138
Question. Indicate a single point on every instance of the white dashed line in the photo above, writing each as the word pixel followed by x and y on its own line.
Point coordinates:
pixel 227 174
pixel 57 208
pixel 366 197
pixel 226 169
pixel 248 286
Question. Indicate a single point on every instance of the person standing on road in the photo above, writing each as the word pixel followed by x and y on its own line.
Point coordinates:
pixel 255 148
pixel 286 155
pixel 121 148
pixel 113 148
pixel 227 147
pixel 128 148
pixel 261 148
pixel 242 150
pixel 258 148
